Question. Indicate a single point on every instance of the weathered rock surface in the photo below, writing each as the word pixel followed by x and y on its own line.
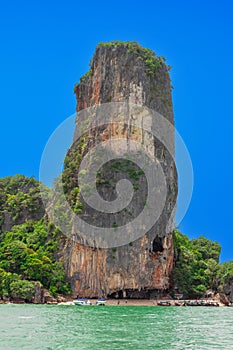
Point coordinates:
pixel 228 290
pixel 39 294
pixel 140 269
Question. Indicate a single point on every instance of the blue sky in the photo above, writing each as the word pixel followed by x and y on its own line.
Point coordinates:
pixel 46 47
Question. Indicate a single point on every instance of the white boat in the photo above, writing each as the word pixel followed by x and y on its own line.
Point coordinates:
pixel 101 302
pixel 82 302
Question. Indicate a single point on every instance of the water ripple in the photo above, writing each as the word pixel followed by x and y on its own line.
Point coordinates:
pixel 115 327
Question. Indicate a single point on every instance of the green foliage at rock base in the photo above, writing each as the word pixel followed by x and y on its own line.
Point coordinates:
pixel 196 265
pixel 27 254
pixel 23 289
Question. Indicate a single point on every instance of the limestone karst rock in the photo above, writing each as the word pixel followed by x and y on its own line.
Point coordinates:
pixel 126 73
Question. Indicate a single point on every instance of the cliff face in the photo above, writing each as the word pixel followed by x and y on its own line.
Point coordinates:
pixel 228 291
pixel 123 72
pixel 120 73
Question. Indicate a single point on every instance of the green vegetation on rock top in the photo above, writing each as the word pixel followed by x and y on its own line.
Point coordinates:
pixel 152 61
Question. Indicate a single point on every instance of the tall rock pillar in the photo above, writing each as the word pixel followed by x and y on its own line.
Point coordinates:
pixel 119 73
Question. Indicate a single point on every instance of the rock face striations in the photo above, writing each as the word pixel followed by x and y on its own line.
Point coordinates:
pixel 126 73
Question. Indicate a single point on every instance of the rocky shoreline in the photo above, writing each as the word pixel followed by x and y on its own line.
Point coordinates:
pixel 61 300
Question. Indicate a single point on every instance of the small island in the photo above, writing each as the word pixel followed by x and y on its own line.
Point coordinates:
pixel 39 264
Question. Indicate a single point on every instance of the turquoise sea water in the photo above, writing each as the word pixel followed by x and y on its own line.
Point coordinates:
pixel 57 327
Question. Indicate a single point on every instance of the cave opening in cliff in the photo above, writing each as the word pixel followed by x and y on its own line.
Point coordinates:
pixel 157 245
pixel 120 294
pixel 117 295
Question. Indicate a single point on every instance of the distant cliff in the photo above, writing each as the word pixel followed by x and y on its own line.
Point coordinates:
pixel 122 72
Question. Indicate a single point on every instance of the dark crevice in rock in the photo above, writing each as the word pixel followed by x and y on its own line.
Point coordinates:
pixel 157 245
